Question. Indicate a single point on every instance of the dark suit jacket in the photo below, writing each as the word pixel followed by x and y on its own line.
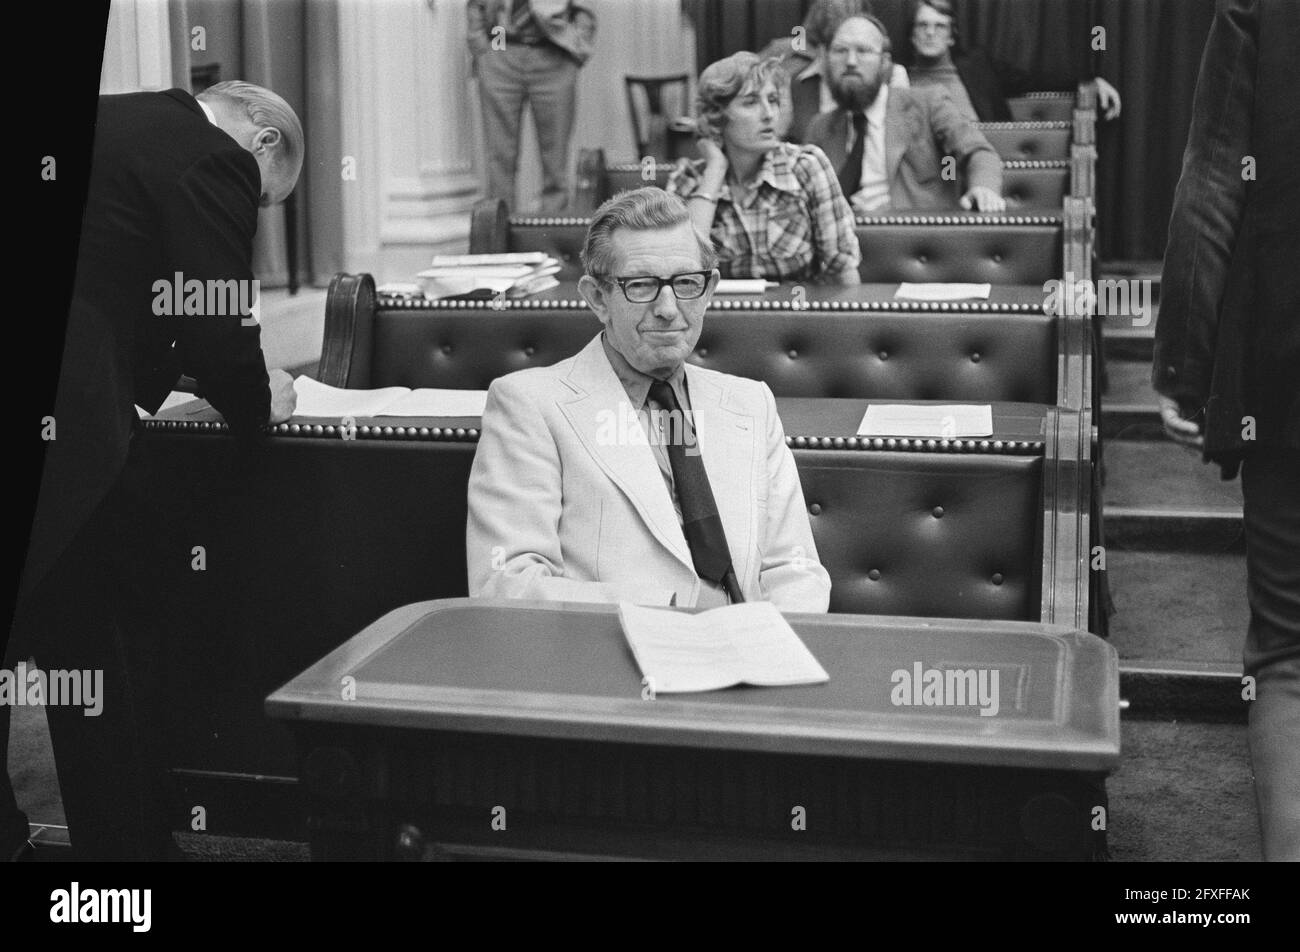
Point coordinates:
pixel 1228 336
pixel 169 192
pixel 921 126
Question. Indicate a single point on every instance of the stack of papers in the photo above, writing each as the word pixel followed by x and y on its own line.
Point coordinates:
pixel 316 399
pixel 516 274
pixel 749 643
pixel 936 421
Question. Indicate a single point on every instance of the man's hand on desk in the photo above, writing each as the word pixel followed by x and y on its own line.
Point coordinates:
pixel 283 397
pixel 983 200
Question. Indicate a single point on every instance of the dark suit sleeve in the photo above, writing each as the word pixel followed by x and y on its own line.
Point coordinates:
pixel 209 221
pixel 1208 207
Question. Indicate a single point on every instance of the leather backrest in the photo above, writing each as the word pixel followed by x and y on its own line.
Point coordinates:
pixel 900 355
pixel 1023 187
pixel 999 250
pixel 883 522
pixel 1042 107
pixel 1029 140
pixel 1036 186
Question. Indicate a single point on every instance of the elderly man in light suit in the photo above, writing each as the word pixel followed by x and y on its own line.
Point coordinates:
pixel 529 51
pixel 577 495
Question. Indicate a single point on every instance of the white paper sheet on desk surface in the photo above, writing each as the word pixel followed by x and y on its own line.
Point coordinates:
pixel 431 402
pixel 743 286
pixel 746 643
pixel 943 421
pixel 943 292
pixel 316 399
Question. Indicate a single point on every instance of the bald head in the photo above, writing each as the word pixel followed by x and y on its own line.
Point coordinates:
pixel 267 127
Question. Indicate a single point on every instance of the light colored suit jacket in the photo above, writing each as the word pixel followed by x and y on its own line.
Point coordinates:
pixel 568 503
pixel 921 127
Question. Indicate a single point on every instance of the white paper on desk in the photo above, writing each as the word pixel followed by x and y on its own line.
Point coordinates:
pixel 432 402
pixel 943 292
pixel 742 286
pixel 947 422
pixel 316 399
pixel 749 643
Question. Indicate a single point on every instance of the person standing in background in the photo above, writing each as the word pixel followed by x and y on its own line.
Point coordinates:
pixel 529 51
pixel 1226 351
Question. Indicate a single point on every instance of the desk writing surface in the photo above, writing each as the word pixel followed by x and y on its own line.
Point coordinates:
pixel 563 670
pixel 800 416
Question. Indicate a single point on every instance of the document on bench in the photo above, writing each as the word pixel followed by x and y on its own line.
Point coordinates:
pixel 749 643
pixel 316 399
pixel 936 421
pixel 943 292
pixel 744 286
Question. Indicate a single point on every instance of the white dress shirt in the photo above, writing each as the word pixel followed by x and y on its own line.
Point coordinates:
pixel 873 191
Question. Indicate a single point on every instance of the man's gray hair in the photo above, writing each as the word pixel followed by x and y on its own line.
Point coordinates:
pixel 267 109
pixel 643 209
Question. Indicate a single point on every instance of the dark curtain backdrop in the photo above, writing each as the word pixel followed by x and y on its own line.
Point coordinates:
pixel 1153 51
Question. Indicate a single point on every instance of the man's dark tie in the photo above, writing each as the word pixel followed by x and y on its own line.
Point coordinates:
pixel 851 174
pixel 701 523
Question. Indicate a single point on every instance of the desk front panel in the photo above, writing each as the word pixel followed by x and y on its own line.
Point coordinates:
pixel 465 707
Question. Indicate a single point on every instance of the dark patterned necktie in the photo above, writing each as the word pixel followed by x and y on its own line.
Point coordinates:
pixel 851 174
pixel 701 523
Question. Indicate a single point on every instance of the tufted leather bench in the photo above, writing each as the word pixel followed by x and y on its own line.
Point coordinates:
pixel 1042 107
pixel 1026 184
pixel 1029 140
pixel 867 350
pixel 1000 249
pixel 1040 185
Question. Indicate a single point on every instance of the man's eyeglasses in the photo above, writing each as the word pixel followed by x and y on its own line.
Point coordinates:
pixel 643 289
pixel 842 52
pixel 931 28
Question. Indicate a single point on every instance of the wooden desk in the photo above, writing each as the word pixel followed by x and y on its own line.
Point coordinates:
pixel 465 706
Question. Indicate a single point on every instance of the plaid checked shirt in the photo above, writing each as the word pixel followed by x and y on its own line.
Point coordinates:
pixel 796 225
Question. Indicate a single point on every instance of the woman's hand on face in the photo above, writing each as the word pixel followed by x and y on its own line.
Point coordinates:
pixel 715 160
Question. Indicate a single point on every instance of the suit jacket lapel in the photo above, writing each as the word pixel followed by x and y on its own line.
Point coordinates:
pixel 898 131
pixel 728 441
pixel 600 408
